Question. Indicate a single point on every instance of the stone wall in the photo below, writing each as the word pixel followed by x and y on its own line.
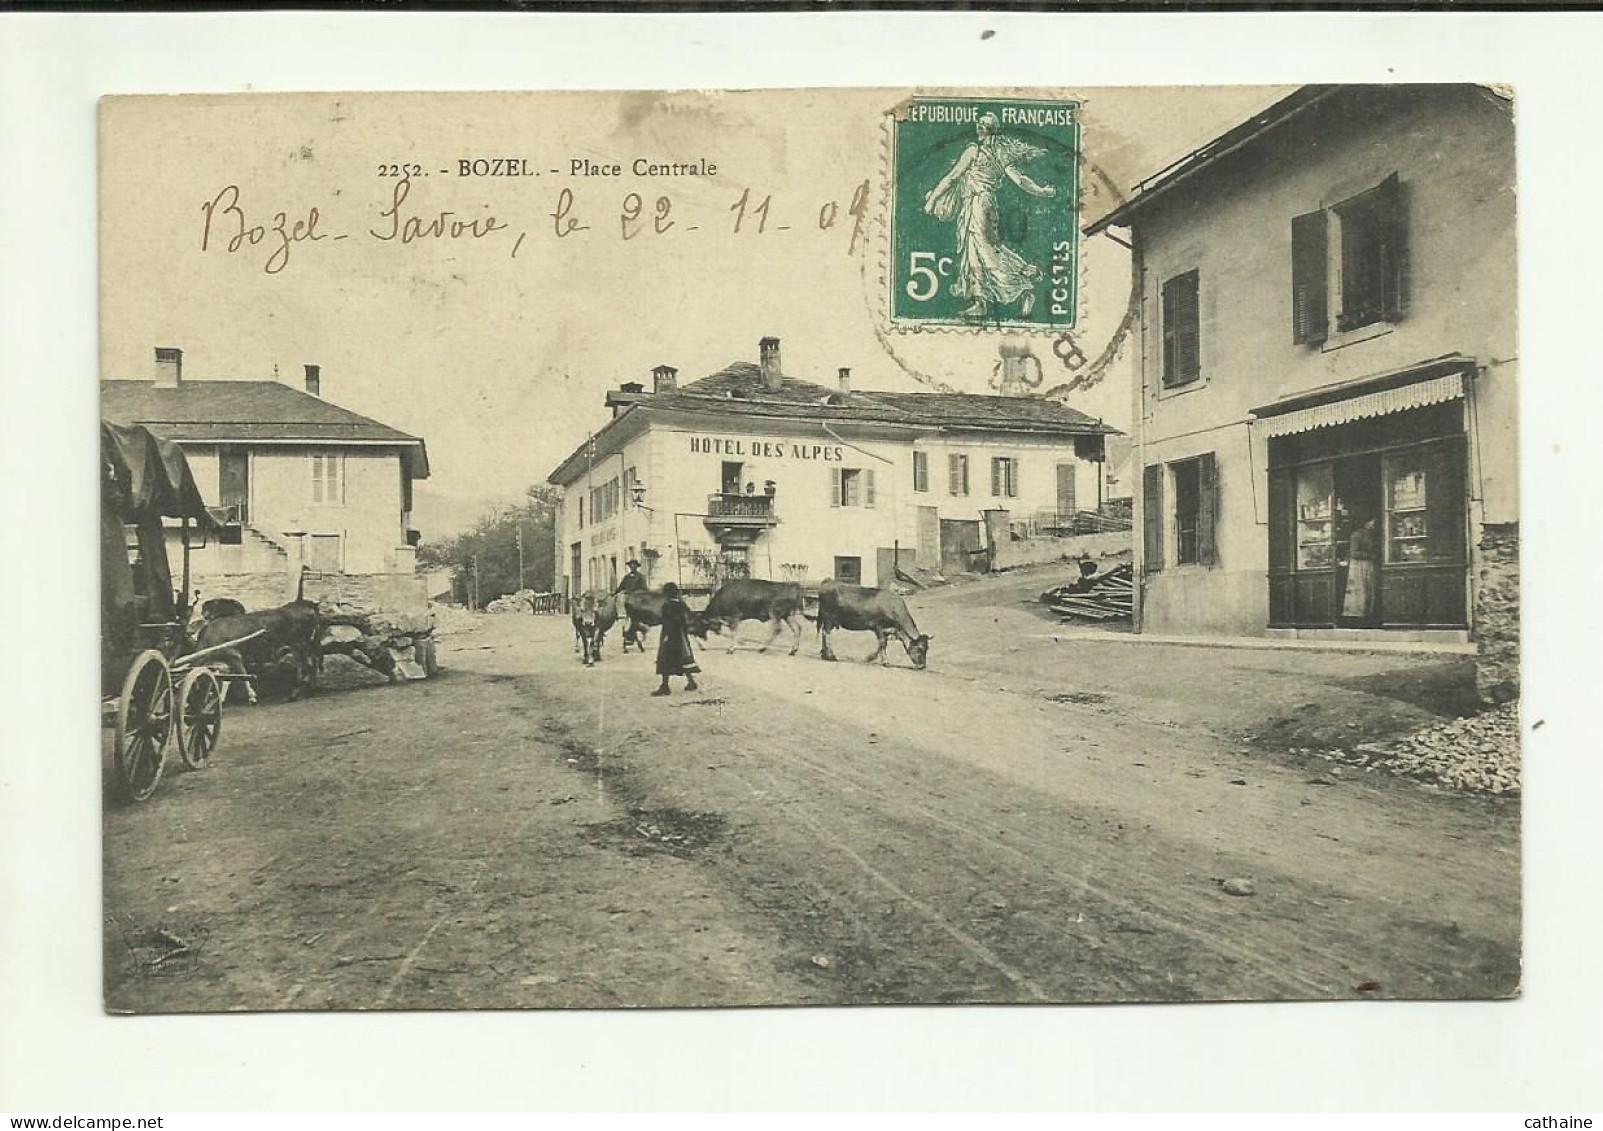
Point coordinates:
pixel 1497 614
pixel 1009 554
pixel 398 593
pixel 253 590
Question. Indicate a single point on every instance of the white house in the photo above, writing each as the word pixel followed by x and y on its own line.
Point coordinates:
pixel 298 481
pixel 1325 416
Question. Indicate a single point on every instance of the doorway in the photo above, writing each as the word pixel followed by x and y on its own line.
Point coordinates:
pixel 1358 511
pixel 731 477
pixel 233 483
pixel 1066 500
pixel 848 570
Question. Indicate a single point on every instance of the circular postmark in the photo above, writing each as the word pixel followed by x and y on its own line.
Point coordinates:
pixel 981 235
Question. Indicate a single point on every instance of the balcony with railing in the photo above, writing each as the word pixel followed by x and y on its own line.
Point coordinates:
pixel 738 519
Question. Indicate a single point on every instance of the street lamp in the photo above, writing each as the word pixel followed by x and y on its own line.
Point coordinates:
pixel 637 491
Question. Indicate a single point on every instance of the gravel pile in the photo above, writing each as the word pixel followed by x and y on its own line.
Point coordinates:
pixel 453 619
pixel 1479 753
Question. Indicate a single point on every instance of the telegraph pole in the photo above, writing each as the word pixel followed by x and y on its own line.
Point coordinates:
pixel 521 586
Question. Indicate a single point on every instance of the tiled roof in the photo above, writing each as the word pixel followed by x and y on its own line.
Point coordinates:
pixel 738 390
pixel 244 411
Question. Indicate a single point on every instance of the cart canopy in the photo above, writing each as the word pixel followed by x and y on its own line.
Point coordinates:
pixel 151 476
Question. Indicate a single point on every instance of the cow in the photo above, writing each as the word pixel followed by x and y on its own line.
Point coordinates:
pixel 856 608
pixel 594 614
pixel 643 607
pixel 777 602
pixel 286 648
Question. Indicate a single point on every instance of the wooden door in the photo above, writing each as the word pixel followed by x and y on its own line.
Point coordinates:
pixel 929 537
pixel 1066 503
pixel 960 545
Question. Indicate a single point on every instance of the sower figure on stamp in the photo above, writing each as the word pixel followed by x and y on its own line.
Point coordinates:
pixel 674 656
pixel 632 582
pixel 988 270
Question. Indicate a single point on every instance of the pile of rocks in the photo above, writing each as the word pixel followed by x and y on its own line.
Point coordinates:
pixel 1479 753
pixel 520 602
pixel 398 645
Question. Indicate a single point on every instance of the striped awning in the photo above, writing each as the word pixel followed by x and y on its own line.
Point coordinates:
pixel 1362 406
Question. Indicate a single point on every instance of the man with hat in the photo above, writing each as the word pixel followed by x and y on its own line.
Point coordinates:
pixel 632 582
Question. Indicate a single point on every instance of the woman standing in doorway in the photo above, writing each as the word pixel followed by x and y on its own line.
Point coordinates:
pixel 1359 601
pixel 674 656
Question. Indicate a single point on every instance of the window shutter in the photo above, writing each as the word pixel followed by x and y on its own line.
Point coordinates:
pixel 318 487
pixel 1309 290
pixel 1181 318
pixel 1013 480
pixel 1207 510
pixel 339 478
pixel 996 476
pixel 868 487
pixel 1394 249
pixel 921 471
pixel 1152 517
pixel 1188 361
pixel 834 486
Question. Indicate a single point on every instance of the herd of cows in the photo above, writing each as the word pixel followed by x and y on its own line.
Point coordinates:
pixel 779 604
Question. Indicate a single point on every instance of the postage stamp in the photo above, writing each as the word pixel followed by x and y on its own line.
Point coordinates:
pixel 984 211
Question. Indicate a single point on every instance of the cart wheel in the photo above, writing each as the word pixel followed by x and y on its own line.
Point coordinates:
pixel 200 716
pixel 144 721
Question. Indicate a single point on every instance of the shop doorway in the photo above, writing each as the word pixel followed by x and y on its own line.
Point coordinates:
pixel 1358 512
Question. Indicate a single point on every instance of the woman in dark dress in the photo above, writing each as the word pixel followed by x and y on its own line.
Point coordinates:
pixel 674 656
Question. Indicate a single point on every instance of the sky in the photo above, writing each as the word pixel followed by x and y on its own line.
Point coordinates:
pixel 498 343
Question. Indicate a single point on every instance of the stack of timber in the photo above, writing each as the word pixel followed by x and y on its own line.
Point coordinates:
pixel 1099 597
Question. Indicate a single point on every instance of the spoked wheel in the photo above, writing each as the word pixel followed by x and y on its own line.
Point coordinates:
pixel 144 722
pixel 200 716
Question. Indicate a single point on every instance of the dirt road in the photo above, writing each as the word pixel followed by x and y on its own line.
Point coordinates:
pixel 1026 821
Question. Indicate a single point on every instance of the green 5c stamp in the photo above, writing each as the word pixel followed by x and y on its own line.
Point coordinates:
pixel 984 201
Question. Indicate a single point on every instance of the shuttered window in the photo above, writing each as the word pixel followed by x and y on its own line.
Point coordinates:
pixel 921 471
pixel 1309 313
pixel 851 487
pixel 1152 517
pixel 1196 508
pixel 1004 477
pixel 1181 331
pixel 328 479
pixel 1373 235
pixel 957 474
pixel 1374 256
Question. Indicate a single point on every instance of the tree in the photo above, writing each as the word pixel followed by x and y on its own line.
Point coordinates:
pixel 493 545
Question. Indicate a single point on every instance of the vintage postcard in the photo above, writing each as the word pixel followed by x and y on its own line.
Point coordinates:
pixel 809 547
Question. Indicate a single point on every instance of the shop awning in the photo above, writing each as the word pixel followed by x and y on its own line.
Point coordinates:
pixel 1419 386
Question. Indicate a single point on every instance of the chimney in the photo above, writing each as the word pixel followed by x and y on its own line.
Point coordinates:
pixel 314 380
pixel 845 382
pixel 664 379
pixel 768 355
pixel 169 367
pixel 631 387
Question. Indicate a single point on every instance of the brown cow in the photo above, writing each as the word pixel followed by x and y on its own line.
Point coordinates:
pixel 856 608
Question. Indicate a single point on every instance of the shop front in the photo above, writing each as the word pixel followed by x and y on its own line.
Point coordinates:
pixel 1369 506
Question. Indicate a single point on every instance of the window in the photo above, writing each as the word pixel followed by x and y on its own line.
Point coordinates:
pixel 1195 507
pixel 957 474
pixel 1372 263
pixel 328 478
pixel 1004 477
pixel 603 501
pixel 581 512
pixel 921 471
pixel 851 487
pixel 630 478
pixel 848 570
pixel 1181 332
